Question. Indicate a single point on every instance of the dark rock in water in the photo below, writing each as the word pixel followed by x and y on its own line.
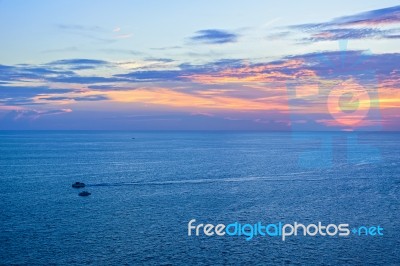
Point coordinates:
pixel 78 185
pixel 84 194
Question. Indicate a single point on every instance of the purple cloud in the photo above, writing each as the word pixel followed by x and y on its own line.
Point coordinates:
pixel 214 36
pixel 348 27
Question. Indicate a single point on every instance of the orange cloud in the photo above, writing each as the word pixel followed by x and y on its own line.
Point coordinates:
pixel 167 97
pixel 10 108
pixel 249 74
pixel 389 98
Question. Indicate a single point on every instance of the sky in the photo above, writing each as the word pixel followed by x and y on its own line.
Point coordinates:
pixel 199 65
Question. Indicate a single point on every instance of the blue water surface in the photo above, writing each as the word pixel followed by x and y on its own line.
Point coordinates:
pixel 145 191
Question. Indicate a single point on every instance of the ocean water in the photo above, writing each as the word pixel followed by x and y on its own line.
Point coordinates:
pixel 146 190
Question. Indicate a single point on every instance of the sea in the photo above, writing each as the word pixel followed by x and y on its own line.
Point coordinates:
pixel 146 186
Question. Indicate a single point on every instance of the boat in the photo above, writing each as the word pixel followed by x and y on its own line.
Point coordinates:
pixel 78 185
pixel 84 194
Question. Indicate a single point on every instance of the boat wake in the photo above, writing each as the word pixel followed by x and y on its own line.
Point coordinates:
pixel 285 178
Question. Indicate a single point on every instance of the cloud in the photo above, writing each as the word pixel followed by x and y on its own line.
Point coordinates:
pixel 324 65
pixel 143 74
pixel 359 64
pixel 363 25
pixel 225 71
pixel 109 87
pixel 83 79
pixel 33 114
pixel 347 34
pixel 61 71
pixel 77 27
pixel 383 16
pixel 121 51
pixel 192 101
pixel 79 64
pixel 166 48
pixel 387 15
pixel 20 95
pixel 152 75
pixel 214 36
pixel 228 85
pixel 91 32
pixel 25 91
pixel 89 98
pixel 29 72
pixel 163 60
